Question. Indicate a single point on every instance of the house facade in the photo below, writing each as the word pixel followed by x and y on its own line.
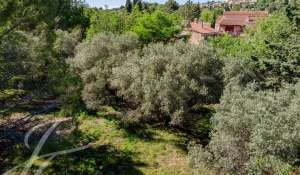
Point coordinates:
pixel 234 22
pixel 199 31
pixel 231 22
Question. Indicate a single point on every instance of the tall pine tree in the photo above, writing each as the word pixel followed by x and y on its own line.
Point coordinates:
pixel 128 6
pixel 172 5
pixel 135 2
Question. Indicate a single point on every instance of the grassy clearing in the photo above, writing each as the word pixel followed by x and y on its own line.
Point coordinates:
pixel 116 151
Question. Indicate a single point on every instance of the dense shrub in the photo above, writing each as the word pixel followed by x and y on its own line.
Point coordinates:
pixel 254 132
pixel 150 26
pixel 105 21
pixel 65 42
pixel 94 60
pixel 69 87
pixel 161 83
pixel 28 63
pixel 165 81
pixel 241 72
pixel 13 50
pixel 158 26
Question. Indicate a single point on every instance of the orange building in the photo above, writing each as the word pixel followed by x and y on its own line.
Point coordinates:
pixel 234 22
pixel 200 31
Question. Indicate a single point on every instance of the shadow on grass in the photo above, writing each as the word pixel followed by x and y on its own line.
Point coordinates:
pixel 102 160
pixel 105 159
pixel 146 133
pixel 137 131
pixel 96 160
pixel 196 125
pixel 132 129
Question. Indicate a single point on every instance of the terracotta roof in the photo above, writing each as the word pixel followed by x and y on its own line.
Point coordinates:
pixel 234 21
pixel 240 18
pixel 202 28
pixel 247 13
pixel 184 33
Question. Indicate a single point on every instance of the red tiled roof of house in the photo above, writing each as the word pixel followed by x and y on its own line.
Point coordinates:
pixel 247 13
pixel 234 21
pixel 202 28
pixel 240 18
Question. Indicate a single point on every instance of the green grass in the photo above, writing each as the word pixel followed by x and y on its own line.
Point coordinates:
pixel 116 151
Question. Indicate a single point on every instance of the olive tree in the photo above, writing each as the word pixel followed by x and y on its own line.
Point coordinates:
pixel 254 132
pixel 94 60
pixel 164 81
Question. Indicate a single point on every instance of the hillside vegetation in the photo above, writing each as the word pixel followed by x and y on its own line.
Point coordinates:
pixel 115 150
pixel 139 98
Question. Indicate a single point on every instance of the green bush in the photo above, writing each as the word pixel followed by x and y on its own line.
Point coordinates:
pixel 165 81
pixel 93 62
pixel 269 165
pixel 255 131
pixel 9 94
pixel 105 21
pixel 158 26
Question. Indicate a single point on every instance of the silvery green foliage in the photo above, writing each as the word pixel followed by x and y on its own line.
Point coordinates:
pixel 268 165
pixel 199 158
pixel 278 132
pixel 94 60
pixel 240 71
pixel 253 131
pixel 164 81
pixel 66 42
